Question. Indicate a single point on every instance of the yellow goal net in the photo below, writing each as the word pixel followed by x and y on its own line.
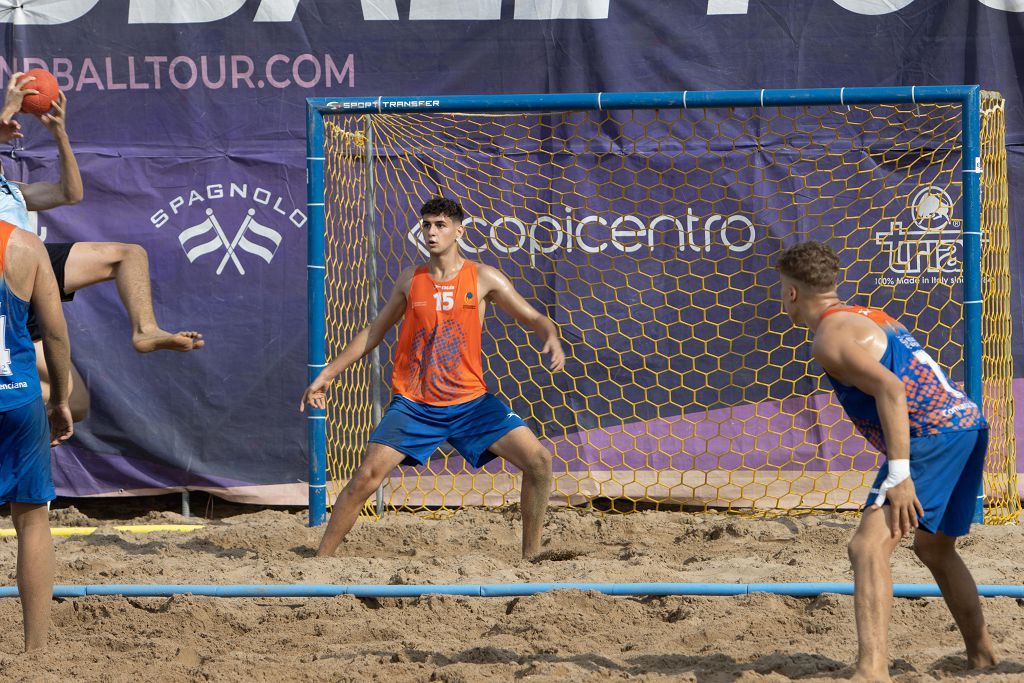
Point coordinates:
pixel 648 236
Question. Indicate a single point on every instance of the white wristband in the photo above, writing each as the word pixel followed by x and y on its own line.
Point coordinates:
pixel 899 471
pixel 899 468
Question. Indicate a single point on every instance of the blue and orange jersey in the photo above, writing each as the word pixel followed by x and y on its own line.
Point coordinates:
pixel 934 404
pixel 19 380
pixel 438 359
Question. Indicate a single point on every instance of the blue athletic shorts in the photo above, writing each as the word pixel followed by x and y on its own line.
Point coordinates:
pixel 416 429
pixel 25 475
pixel 946 469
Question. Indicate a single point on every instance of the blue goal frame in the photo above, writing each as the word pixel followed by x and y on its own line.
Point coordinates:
pixel 968 96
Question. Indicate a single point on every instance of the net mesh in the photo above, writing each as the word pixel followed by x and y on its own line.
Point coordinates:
pixel 1002 497
pixel 648 237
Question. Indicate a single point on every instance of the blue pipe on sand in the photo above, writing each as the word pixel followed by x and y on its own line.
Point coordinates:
pixel 497 590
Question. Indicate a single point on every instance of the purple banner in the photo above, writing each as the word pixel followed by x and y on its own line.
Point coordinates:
pixel 188 121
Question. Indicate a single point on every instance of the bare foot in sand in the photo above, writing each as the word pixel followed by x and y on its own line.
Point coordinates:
pixel 156 340
pixel 981 660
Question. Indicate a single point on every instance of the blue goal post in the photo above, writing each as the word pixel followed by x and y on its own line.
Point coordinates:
pixel 320 108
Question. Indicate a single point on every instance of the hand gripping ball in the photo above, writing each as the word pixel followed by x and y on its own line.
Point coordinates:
pixel 39 103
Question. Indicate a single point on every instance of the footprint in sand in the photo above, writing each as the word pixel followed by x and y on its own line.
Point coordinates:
pixel 557 555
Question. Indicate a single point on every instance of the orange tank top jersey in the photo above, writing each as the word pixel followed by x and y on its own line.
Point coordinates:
pixel 438 359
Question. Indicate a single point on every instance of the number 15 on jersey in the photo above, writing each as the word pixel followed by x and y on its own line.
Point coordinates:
pixel 445 300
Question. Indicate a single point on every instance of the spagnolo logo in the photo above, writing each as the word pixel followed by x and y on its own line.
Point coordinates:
pixel 229 225
pixel 925 246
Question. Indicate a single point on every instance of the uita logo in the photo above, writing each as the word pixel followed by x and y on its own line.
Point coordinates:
pixel 928 239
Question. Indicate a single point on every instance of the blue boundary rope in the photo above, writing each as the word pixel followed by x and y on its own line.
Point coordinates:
pixel 496 590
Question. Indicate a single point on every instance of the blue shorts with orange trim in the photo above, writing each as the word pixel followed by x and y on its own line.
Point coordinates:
pixel 416 429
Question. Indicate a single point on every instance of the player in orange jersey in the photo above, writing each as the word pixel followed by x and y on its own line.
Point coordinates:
pixel 934 438
pixel 437 381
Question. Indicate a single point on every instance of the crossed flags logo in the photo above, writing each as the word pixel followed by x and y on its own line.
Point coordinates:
pixel 209 237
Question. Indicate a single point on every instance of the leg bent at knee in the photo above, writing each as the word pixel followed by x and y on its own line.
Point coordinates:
pixel 113 253
pixel 873 540
pixel 366 480
pixel 538 462
pixel 93 262
pixel 79 405
pixel 934 550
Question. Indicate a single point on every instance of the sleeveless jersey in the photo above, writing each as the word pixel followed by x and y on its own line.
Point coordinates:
pixel 437 359
pixel 935 406
pixel 12 205
pixel 19 381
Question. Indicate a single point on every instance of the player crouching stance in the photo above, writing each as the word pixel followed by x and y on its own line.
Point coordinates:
pixel 437 381
pixel 934 439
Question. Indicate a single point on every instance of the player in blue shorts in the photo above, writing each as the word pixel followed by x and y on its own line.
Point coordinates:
pixel 437 381
pixel 934 439
pixel 77 265
pixel 25 432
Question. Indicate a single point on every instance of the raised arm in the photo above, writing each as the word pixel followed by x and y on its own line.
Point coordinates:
pixel 365 341
pixel 837 349
pixel 17 88
pixel 68 190
pixel 496 287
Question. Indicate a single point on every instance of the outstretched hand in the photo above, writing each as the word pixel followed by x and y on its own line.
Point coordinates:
pixel 17 88
pixel 13 96
pixel 56 118
pixel 557 360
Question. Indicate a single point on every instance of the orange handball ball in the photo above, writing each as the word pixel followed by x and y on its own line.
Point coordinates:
pixel 39 103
